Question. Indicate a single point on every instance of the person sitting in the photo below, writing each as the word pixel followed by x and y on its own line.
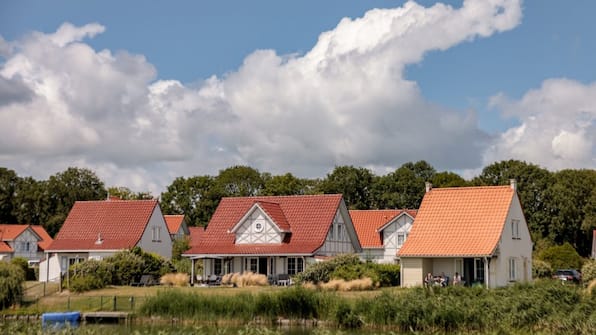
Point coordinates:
pixel 456 279
pixel 429 279
pixel 443 279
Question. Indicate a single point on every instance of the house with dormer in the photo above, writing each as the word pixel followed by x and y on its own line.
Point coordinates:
pixel 274 235
pixel 382 232
pixel 99 229
pixel 478 232
pixel 22 240
pixel 177 226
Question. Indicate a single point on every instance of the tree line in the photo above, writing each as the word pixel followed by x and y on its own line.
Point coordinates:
pixel 559 206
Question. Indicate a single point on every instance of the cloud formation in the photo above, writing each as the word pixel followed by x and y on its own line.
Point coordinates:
pixel 346 101
pixel 557 126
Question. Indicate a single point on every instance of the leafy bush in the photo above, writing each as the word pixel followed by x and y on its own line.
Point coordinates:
pixel 322 272
pixel 561 257
pixel 179 246
pixel 11 284
pixel 541 269
pixel 128 266
pixel 90 275
pixel 387 274
pixel 24 264
pixel 589 271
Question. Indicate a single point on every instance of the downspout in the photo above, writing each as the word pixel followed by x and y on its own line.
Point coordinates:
pixel 486 271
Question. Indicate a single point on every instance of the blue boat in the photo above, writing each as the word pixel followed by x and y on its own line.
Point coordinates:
pixel 60 319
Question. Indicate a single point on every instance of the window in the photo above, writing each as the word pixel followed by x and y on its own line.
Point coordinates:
pixel 27 246
pixel 295 265
pixel 217 266
pixel 512 269
pixel 400 239
pixel 515 229
pixel 156 234
pixel 252 265
pixel 479 265
pixel 339 232
pixel 331 233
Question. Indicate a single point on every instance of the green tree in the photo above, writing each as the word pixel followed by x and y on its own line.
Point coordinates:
pixel 568 198
pixel 352 182
pixel 12 278
pixel 179 247
pixel 65 188
pixel 125 193
pixel 448 179
pixel 239 181
pixel 532 184
pixel 8 185
pixel 196 197
pixel 32 202
pixel 403 188
pixel 285 184
pixel 562 257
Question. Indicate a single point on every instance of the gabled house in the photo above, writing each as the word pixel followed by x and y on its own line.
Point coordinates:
pixel 177 226
pixel 99 229
pixel 478 232
pixel 382 232
pixel 26 241
pixel 274 235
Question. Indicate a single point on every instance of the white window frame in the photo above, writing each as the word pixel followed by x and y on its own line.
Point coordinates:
pixel 515 229
pixel 156 234
pixel 401 239
pixel 295 265
pixel 512 269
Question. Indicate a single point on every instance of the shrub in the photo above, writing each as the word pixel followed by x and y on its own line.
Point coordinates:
pixel 541 269
pixel 562 257
pixel 589 271
pixel 322 272
pixel 387 274
pixel 128 266
pixel 90 275
pixel 245 279
pixel 24 264
pixel 175 279
pixel 11 284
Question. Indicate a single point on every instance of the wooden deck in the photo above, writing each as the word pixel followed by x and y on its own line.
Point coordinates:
pixel 106 317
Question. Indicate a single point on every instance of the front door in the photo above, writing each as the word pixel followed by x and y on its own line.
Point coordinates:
pixel 468 275
pixel 263 265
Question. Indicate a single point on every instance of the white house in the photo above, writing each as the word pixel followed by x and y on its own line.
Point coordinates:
pixel 99 229
pixel 274 235
pixel 382 232
pixel 478 232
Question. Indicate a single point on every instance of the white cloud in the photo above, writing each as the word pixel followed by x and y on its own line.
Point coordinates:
pixel 346 101
pixel 558 126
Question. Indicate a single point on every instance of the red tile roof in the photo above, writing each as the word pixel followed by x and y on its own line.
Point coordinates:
pixel 196 234
pixel 461 221
pixel 173 222
pixel 4 247
pixel 276 214
pixel 368 223
pixel 309 218
pixel 8 232
pixel 46 240
pixel 120 224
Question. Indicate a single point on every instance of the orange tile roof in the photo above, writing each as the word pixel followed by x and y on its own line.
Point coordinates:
pixel 46 240
pixel 8 232
pixel 368 223
pixel 119 223
pixel 173 222
pixel 4 247
pixel 460 221
pixel 276 214
pixel 309 218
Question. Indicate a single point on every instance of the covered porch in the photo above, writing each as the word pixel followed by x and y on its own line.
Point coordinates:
pixel 275 267
pixel 472 270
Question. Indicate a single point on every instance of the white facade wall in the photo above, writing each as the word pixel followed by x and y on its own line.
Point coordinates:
pixel 53 273
pixel 156 237
pixel 513 247
pixel 25 245
pixel 339 238
pixel 257 228
pixel 394 236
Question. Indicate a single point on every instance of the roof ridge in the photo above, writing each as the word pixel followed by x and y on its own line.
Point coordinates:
pixel 470 187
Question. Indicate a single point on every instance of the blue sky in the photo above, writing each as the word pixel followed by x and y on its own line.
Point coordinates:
pixel 492 83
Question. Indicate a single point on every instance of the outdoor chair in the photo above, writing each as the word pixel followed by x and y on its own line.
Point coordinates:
pixel 146 280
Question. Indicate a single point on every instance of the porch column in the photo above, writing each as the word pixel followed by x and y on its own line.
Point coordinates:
pixel 486 272
pixel 192 272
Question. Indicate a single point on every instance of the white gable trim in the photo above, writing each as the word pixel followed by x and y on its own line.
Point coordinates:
pixel 250 212
pixel 394 220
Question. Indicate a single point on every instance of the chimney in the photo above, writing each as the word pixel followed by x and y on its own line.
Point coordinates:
pixel 513 184
pixel 429 186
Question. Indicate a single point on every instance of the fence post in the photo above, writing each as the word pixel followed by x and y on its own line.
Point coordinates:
pixel 132 303
pixel 114 309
